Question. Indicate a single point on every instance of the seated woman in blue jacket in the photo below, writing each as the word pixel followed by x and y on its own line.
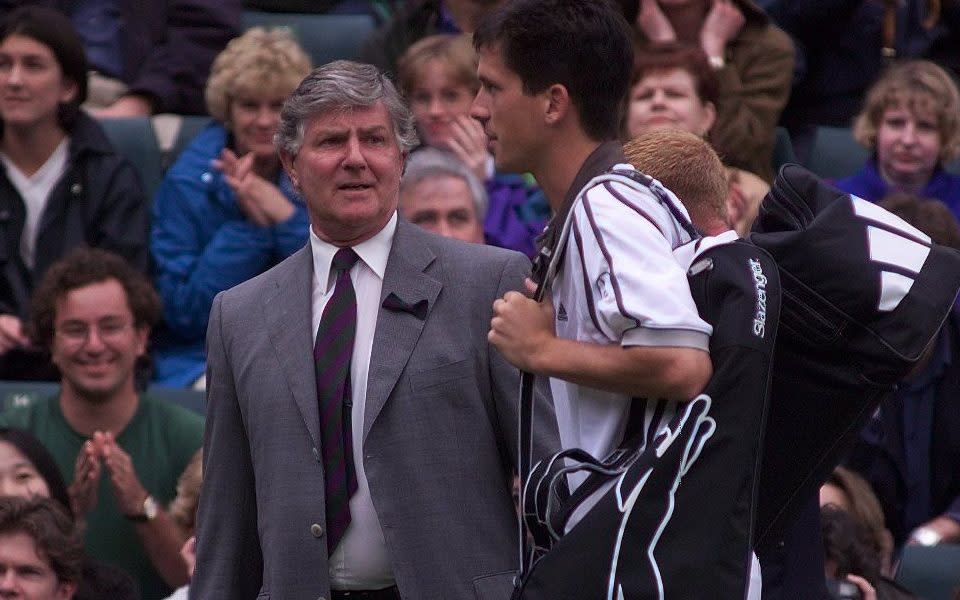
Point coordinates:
pixel 911 124
pixel 226 210
pixel 61 183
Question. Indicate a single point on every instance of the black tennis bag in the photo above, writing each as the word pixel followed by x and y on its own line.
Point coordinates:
pixel 676 506
pixel 863 294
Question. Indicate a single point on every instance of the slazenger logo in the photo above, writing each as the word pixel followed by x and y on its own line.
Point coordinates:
pixel 760 283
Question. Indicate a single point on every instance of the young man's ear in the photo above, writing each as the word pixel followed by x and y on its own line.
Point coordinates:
pixel 558 103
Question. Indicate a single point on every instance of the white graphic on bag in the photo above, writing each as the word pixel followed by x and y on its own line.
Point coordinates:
pixel 905 248
pixel 694 428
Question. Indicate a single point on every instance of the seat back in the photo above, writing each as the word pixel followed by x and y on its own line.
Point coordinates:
pixel 783 150
pixel 134 139
pixel 324 37
pixel 930 572
pixel 23 393
pixel 835 154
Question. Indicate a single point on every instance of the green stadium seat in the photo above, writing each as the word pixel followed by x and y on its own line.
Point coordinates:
pixel 134 139
pixel 835 154
pixel 930 572
pixel 783 150
pixel 22 393
pixel 324 37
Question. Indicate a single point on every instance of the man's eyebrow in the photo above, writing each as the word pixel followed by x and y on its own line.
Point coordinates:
pixel 372 129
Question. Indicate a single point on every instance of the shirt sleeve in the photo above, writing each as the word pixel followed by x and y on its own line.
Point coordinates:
pixel 638 292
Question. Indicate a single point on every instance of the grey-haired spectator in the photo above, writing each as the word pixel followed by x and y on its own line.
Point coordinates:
pixel 440 193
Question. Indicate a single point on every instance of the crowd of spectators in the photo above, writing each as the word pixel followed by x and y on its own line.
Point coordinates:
pixel 121 468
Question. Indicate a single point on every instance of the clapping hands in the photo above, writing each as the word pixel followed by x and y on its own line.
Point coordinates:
pixel 99 452
pixel 261 201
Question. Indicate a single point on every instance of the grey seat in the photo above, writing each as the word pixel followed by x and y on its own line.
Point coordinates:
pixel 134 139
pixel 323 37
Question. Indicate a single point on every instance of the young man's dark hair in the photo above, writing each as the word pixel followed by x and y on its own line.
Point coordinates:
pixel 54 30
pixel 575 43
pixel 83 267
pixel 52 531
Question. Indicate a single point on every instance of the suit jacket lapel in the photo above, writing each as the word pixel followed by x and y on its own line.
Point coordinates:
pixel 288 314
pixel 398 330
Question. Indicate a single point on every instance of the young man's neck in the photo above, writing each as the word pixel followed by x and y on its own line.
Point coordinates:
pixel 111 414
pixel 561 168
pixel 30 148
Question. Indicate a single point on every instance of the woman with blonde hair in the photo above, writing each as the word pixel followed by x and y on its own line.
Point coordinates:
pixel 226 211
pixel 911 124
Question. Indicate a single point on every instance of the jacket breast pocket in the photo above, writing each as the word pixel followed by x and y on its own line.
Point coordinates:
pixel 436 376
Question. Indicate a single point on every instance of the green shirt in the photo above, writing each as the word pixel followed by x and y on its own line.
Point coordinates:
pixel 160 439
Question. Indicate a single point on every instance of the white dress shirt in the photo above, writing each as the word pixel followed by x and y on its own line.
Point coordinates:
pixel 360 561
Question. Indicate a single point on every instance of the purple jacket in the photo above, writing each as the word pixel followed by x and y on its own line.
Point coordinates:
pixel 869 185
pixel 516 214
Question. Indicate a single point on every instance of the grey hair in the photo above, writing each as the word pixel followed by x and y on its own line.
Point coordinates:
pixel 432 162
pixel 341 85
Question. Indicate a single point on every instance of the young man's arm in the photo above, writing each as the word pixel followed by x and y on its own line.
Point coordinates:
pixel 522 330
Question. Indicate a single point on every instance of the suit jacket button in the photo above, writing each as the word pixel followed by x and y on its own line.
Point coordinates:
pixel 316 530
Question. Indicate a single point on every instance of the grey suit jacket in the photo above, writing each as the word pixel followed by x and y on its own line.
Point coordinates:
pixel 440 431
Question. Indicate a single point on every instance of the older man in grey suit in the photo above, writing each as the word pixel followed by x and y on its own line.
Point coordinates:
pixel 402 486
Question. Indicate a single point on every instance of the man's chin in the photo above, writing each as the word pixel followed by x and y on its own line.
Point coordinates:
pixel 96 391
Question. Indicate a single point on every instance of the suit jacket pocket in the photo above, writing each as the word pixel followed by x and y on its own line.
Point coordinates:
pixel 498 586
pixel 429 378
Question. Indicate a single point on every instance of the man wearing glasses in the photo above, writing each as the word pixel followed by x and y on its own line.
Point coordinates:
pixel 121 451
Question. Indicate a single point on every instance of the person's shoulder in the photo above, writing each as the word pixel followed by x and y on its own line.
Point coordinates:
pixel 456 251
pixel 268 281
pixel 177 419
pixel 195 158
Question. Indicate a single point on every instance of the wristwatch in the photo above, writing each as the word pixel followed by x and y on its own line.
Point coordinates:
pixel 925 536
pixel 149 513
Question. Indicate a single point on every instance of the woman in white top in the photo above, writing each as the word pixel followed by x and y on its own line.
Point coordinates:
pixel 61 183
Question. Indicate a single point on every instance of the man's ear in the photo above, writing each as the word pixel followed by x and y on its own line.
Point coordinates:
pixel 558 103
pixel 286 159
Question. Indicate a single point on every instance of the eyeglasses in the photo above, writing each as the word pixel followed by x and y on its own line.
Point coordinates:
pixel 77 333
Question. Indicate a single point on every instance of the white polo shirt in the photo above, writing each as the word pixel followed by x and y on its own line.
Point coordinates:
pixel 620 283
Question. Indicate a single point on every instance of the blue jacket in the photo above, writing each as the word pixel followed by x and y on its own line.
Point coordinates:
pixel 203 244
pixel 870 185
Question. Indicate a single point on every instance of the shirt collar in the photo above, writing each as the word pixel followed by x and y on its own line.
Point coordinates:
pixel 374 252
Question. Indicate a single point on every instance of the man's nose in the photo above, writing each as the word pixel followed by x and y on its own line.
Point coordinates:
pixel 354 154
pixel 478 108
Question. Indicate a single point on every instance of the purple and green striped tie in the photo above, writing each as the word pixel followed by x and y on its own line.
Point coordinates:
pixel 332 352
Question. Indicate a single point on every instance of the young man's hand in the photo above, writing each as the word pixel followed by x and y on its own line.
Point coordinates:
pixel 522 328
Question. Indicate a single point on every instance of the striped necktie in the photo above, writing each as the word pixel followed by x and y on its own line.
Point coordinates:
pixel 332 353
